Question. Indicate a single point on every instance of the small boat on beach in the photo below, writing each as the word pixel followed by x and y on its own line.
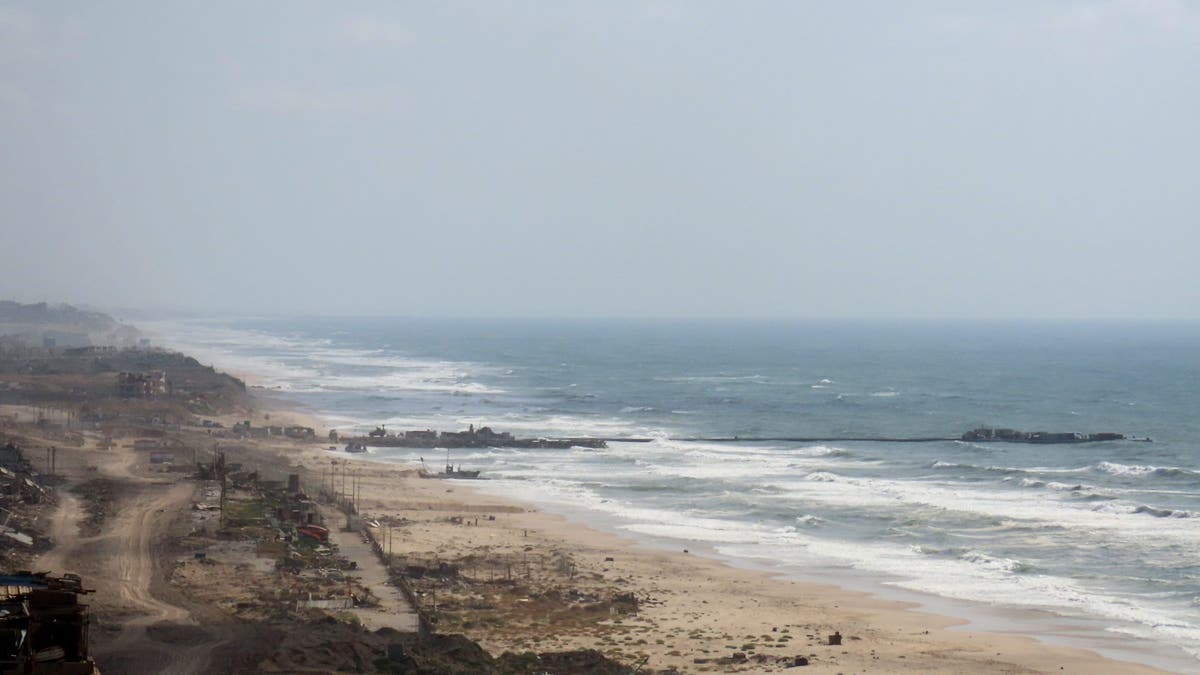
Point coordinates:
pixel 449 472
pixel 452 472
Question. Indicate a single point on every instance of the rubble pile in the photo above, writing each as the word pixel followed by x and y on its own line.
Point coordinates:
pixel 25 500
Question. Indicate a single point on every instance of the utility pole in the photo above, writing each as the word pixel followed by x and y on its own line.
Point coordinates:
pixel 219 467
pixel 332 469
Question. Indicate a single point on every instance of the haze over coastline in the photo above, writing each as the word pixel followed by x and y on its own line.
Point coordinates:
pixel 678 159
pixel 730 280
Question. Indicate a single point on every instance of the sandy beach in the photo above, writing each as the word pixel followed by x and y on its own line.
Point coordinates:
pixel 694 613
pixel 501 573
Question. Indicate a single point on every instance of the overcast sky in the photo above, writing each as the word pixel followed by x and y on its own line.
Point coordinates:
pixel 793 159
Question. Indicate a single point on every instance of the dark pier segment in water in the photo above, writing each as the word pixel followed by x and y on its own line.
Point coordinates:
pixel 980 435
pixel 486 438
pixel 483 437
pixel 810 439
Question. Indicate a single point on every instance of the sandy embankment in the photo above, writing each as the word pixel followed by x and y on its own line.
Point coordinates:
pixel 694 612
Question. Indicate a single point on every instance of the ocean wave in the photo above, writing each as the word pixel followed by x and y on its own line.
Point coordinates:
pixel 970 574
pixel 822 451
pixel 1143 470
pixel 1163 513
pixel 1118 520
pixel 976 557
pixel 941 464
pixel 1125 508
pixel 637 409
pixel 312 365
pixel 1010 470
pixel 1067 487
pixel 1005 564
pixel 1076 490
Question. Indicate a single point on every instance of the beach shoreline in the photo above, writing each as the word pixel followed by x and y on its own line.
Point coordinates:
pixel 1043 627
pixel 511 574
pixel 901 630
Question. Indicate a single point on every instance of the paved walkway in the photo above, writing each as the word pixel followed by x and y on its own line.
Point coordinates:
pixel 393 611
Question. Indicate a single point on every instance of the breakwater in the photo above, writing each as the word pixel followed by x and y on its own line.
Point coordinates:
pixel 483 437
pixel 980 435
pixel 815 439
pixel 486 438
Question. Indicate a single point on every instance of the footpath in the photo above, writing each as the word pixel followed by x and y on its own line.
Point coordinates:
pixel 394 610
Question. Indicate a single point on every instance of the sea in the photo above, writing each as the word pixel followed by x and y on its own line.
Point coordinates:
pixel 1094 545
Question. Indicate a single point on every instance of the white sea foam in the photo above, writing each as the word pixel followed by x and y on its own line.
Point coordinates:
pixel 739 496
pixel 310 365
pixel 1141 471
pixel 965 573
pixel 976 576
pixel 1119 519
pixel 821 451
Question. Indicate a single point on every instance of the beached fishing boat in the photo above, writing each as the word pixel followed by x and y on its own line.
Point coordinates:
pixel 448 472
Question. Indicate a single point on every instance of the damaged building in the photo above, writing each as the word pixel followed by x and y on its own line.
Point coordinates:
pixel 146 384
pixel 43 626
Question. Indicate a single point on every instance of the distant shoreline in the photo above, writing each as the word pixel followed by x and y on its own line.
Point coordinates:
pixel 283 399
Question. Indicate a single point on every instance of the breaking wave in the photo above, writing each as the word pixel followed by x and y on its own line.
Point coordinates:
pixel 1144 470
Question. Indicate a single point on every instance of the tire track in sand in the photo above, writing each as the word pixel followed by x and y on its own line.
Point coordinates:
pixel 123 565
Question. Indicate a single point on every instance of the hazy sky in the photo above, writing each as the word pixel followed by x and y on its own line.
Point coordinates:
pixel 835 159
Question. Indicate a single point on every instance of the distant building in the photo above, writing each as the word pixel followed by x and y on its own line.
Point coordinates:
pixel 143 385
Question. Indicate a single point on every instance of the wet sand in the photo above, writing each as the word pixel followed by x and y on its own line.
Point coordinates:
pixel 694 613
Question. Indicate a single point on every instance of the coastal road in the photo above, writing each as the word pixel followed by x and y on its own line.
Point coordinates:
pixel 394 610
pixel 137 626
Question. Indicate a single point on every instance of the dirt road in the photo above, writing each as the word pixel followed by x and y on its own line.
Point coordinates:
pixel 139 627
